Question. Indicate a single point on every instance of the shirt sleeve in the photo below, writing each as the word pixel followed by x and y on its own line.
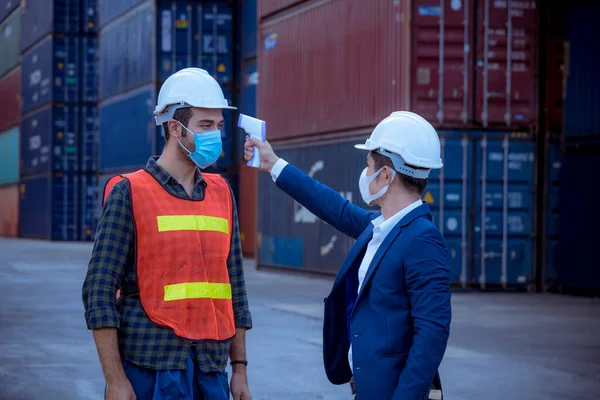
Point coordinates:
pixel 235 265
pixel 277 168
pixel 112 246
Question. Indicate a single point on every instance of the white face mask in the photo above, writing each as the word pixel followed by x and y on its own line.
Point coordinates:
pixel 365 181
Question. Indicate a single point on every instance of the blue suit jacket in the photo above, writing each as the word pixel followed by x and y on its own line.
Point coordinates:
pixel 400 321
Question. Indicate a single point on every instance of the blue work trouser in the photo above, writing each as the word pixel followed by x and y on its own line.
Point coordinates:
pixel 177 384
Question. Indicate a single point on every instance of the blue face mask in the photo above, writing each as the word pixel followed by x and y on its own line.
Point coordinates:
pixel 208 147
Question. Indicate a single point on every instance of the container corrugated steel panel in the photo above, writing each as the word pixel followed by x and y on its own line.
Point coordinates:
pixel 89 69
pixel 555 79
pixel 268 7
pixel 48 207
pixel 10 99
pixel 89 16
pixel 249 29
pixel 89 202
pixel 290 236
pixel 553 213
pixel 310 84
pixel 247 208
pixel 582 100
pixel 9 211
pixel 445 98
pixel 248 91
pixel 7 7
pixel 507 85
pixel 127 130
pixel 49 140
pixel 10 35
pixel 9 156
pixel 109 10
pixel 89 138
pixel 50 72
pixel 42 17
pixel 577 248
pixel 126 53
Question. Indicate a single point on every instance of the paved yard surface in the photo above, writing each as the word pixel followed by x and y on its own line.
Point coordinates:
pixel 503 346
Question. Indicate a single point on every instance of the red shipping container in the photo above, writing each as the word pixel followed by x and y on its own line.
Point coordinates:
pixel 247 209
pixel 507 64
pixel 9 210
pixel 268 7
pixel 333 66
pixel 444 98
pixel 10 99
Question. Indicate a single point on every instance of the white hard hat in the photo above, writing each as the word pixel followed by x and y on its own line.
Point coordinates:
pixel 189 87
pixel 409 141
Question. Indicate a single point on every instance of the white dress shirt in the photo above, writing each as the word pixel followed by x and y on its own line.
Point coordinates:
pixel 381 228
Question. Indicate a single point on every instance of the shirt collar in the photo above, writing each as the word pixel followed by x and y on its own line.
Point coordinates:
pixel 163 177
pixel 384 226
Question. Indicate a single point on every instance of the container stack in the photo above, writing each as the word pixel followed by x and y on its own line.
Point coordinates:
pixel 331 70
pixel 58 86
pixel 141 44
pixel 10 117
pixel 247 105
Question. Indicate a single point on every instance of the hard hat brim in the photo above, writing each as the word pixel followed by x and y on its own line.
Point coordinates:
pixel 362 147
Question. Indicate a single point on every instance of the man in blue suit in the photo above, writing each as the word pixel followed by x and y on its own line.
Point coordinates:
pixel 387 318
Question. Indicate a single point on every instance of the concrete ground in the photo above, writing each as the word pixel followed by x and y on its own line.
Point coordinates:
pixel 503 346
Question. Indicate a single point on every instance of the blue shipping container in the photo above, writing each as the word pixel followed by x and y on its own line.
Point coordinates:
pixel 249 29
pixel 89 138
pixel 109 10
pixel 89 69
pixel 249 88
pixel 7 7
pixel 553 213
pixel 454 194
pixel 127 130
pixel 48 207
pixel 50 72
pixel 89 202
pixel 9 156
pixel 41 17
pixel 49 140
pixel 89 16
pixel 582 100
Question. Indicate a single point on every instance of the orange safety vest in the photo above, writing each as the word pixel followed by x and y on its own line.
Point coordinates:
pixel 182 246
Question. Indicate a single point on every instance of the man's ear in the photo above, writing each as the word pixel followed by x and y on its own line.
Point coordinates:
pixel 174 128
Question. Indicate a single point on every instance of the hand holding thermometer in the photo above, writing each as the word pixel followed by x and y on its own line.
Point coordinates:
pixel 256 128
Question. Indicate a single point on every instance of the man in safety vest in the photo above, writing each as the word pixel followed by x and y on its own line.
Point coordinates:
pixel 387 318
pixel 168 239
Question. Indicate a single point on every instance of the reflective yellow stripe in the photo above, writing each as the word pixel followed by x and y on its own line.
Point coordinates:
pixel 191 223
pixel 197 290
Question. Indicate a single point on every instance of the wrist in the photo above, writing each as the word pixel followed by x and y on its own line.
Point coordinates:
pixel 272 164
pixel 239 366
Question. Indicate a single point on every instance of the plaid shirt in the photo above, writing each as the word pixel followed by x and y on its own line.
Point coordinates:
pixel 112 266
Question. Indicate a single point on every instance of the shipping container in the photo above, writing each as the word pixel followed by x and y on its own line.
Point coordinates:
pixel 89 138
pixel 9 210
pixel 425 59
pixel 494 166
pixel 446 97
pixel 247 208
pixel 127 130
pixel 555 80
pixel 9 156
pixel 50 140
pixel 269 7
pixel 10 35
pixel 50 72
pixel 89 16
pixel 48 207
pixel 249 29
pixel 582 100
pixel 108 10
pixel 42 17
pixel 89 202
pixel 7 7
pixel 89 69
pixel 507 63
pixel 577 265
pixel 187 35
pixel 10 99
pixel 552 234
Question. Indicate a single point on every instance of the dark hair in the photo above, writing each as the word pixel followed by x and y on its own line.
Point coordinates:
pixel 182 115
pixel 415 184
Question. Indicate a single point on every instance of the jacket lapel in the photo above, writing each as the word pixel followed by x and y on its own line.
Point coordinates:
pixel 359 245
pixel 420 211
